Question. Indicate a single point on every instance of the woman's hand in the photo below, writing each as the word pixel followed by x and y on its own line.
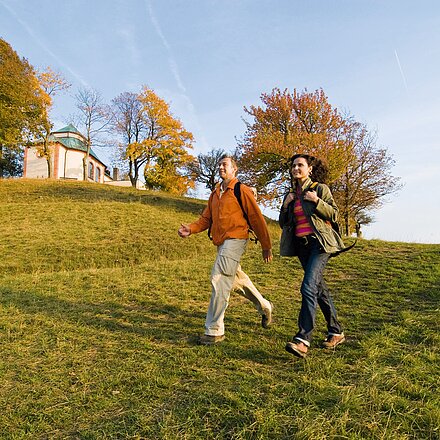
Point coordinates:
pixel 290 197
pixel 311 196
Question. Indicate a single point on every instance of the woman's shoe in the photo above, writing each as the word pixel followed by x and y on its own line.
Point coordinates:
pixel 298 349
pixel 333 340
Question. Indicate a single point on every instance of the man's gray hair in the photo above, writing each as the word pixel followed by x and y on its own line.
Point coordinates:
pixel 229 156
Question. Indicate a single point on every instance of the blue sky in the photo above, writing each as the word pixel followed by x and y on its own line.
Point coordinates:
pixel 378 60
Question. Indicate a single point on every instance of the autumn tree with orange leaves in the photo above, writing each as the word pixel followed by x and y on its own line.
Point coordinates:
pixel 153 140
pixel 304 122
pixel 288 123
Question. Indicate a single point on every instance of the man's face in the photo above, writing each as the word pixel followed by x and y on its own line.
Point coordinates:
pixel 226 169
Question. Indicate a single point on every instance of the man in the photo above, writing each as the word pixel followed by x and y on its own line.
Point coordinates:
pixel 230 233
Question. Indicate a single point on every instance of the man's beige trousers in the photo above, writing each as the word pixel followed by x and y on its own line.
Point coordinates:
pixel 226 275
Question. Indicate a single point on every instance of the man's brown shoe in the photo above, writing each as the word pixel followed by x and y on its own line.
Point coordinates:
pixel 333 340
pixel 298 349
pixel 211 340
pixel 266 318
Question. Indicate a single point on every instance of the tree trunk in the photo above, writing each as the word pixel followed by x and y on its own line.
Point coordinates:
pixel 133 173
pixel 1 163
pixel 49 167
pixel 47 152
pixel 347 210
pixel 134 179
pixel 130 170
pixel 346 221
pixel 86 157
pixel 85 160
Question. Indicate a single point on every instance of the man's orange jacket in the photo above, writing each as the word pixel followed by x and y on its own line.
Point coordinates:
pixel 227 218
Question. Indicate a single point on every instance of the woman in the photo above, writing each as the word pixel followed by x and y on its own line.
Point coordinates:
pixel 306 217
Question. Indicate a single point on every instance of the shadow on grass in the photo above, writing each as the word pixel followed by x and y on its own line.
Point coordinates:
pixel 94 193
pixel 168 323
pixel 152 320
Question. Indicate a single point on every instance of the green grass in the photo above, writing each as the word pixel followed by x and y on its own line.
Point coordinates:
pixel 101 304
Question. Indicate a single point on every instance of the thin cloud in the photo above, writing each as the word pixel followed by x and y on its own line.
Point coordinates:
pixel 35 37
pixel 128 36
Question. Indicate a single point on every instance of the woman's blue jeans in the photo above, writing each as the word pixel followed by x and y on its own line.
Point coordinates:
pixel 314 291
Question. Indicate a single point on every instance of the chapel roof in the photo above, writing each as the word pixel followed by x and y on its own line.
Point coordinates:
pixel 68 129
pixel 75 142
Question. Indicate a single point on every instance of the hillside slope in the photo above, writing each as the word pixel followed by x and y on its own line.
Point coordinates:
pixel 101 304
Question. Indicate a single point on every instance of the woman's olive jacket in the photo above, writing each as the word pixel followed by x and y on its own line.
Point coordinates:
pixel 320 217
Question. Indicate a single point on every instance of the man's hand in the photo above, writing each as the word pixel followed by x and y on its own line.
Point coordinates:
pixel 267 256
pixel 184 231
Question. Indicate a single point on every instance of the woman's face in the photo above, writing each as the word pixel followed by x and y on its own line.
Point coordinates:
pixel 300 169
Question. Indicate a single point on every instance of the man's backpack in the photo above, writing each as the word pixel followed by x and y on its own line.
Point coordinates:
pixel 237 194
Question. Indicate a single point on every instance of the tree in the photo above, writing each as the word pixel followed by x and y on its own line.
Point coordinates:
pixel 94 116
pixel 51 82
pixel 22 103
pixel 205 168
pixel 11 162
pixel 288 123
pixel 168 172
pixel 362 218
pixel 155 140
pixel 366 180
pixel 165 146
pixel 129 123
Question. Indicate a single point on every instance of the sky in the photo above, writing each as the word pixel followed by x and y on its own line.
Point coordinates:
pixel 378 60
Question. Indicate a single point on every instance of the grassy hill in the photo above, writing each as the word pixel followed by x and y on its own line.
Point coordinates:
pixel 101 304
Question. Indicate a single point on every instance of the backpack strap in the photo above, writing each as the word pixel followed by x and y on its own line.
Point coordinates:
pixel 210 223
pixel 237 193
pixel 335 254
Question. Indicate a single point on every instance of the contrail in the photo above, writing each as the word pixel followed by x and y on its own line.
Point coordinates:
pixel 401 70
pixel 172 63
pixel 174 69
pixel 29 30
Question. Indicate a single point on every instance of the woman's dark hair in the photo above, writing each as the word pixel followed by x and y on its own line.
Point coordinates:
pixel 319 168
